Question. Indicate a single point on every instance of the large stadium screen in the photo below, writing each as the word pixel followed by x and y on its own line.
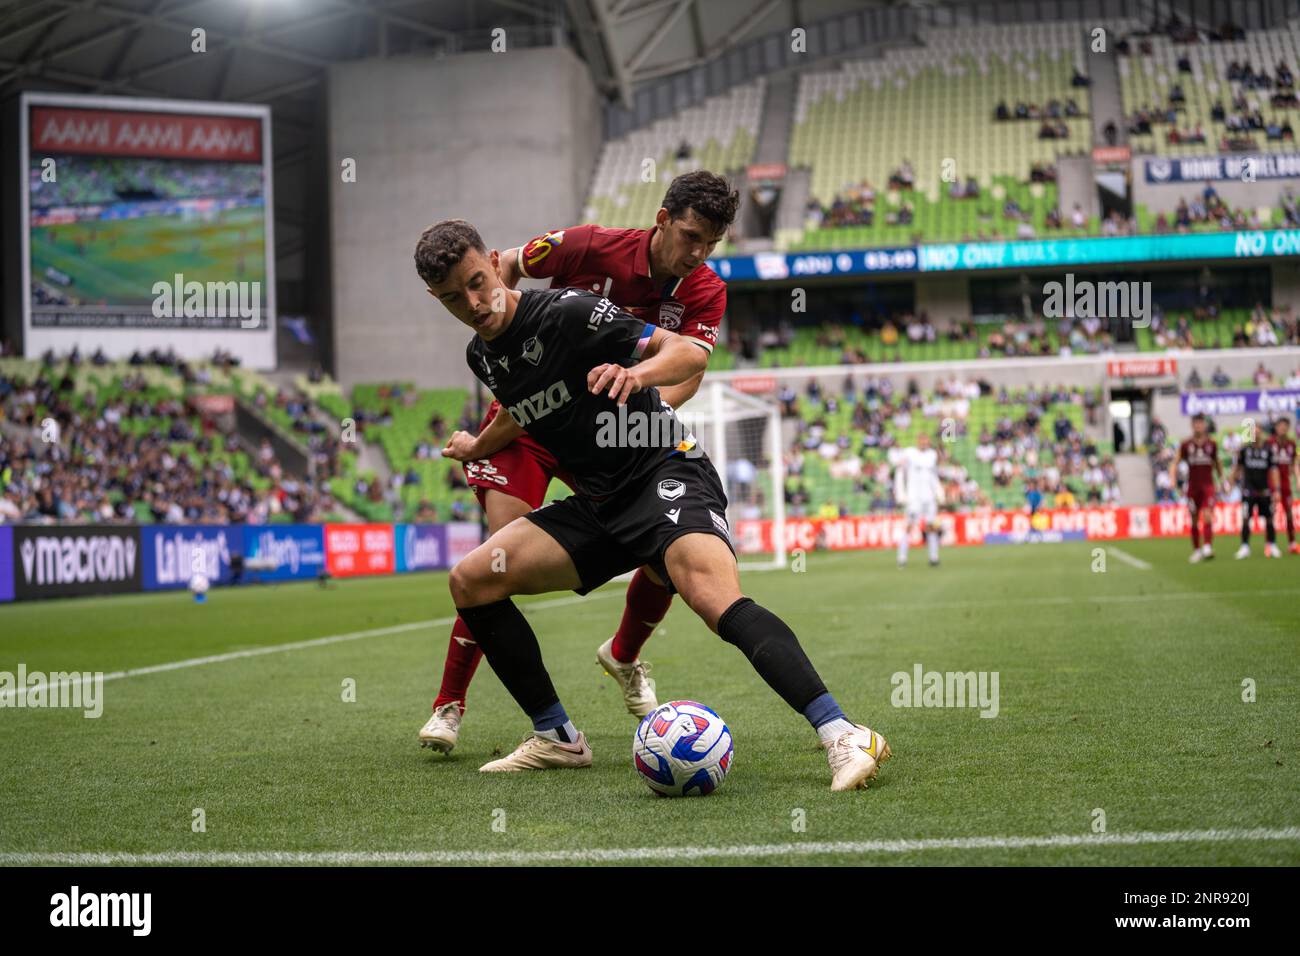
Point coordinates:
pixel 148 224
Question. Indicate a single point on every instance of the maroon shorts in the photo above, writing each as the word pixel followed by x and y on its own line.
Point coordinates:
pixel 523 469
pixel 1201 496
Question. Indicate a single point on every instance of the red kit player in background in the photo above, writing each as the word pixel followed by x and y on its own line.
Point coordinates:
pixel 1204 475
pixel 1282 447
pixel 659 275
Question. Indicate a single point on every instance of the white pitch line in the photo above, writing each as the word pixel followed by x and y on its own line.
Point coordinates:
pixel 648 854
pixel 11 695
pixel 1128 558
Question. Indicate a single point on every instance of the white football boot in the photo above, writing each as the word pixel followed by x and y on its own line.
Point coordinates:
pixel 1272 551
pixel 633 678
pixel 542 753
pixel 855 757
pixel 1195 557
pixel 1207 551
pixel 1243 552
pixel 442 730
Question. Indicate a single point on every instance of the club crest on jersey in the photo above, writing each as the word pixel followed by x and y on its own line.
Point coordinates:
pixel 533 350
pixel 670 315
pixel 670 489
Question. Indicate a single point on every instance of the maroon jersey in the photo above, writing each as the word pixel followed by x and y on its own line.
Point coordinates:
pixel 616 264
pixel 1282 453
pixel 1200 457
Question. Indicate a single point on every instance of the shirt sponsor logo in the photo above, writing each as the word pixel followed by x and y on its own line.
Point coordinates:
pixel 603 312
pixel 541 247
pixel 541 404
pixel 670 489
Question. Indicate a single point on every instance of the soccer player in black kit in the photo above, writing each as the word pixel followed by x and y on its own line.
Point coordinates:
pixel 1255 472
pixel 562 361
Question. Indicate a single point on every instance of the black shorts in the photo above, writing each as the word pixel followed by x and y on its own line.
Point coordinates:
pixel 611 536
pixel 1260 502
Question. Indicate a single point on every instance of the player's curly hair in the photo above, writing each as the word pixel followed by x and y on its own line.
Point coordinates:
pixel 442 246
pixel 709 195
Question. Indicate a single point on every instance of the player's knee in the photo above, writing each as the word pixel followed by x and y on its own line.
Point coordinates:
pixel 468 588
pixel 702 594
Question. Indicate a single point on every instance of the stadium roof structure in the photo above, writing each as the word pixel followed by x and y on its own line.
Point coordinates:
pixel 278 53
pixel 271 51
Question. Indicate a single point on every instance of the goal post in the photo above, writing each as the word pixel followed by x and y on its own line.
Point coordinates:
pixel 741 434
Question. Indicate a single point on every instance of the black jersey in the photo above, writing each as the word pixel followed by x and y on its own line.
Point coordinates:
pixel 1256 463
pixel 537 369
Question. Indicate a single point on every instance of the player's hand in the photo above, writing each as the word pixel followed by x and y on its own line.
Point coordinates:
pixel 621 383
pixel 461 447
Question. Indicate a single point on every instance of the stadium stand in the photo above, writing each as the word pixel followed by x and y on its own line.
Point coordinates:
pixel 940 100
pixel 128 446
pixel 1210 91
pixel 991 442
pixel 719 135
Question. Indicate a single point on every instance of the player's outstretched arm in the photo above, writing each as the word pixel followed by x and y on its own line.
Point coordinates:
pixel 501 431
pixel 671 360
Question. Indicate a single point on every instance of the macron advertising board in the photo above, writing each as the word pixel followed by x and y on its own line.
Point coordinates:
pixel 68 561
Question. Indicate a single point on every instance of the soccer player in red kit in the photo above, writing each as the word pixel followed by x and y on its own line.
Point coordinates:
pixel 659 275
pixel 1282 448
pixel 1204 475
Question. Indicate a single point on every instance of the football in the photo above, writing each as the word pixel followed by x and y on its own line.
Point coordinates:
pixel 682 749
pixel 199 584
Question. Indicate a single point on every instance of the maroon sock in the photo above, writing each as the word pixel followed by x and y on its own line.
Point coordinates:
pixel 647 603
pixel 463 655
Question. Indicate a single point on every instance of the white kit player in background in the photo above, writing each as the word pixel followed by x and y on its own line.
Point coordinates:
pixel 918 490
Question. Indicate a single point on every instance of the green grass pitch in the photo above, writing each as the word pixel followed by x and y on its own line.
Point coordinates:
pixel 119 262
pixel 1119 690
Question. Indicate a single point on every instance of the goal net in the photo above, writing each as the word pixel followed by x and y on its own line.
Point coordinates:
pixel 741 434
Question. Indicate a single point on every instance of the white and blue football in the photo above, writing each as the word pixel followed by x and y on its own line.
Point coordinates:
pixel 682 749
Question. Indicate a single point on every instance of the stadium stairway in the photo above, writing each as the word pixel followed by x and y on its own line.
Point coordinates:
pixel 1136 484
pixel 1106 102
pixel 373 459
pixel 777 119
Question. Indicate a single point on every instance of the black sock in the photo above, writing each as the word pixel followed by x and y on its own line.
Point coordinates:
pixel 511 649
pixel 774 651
